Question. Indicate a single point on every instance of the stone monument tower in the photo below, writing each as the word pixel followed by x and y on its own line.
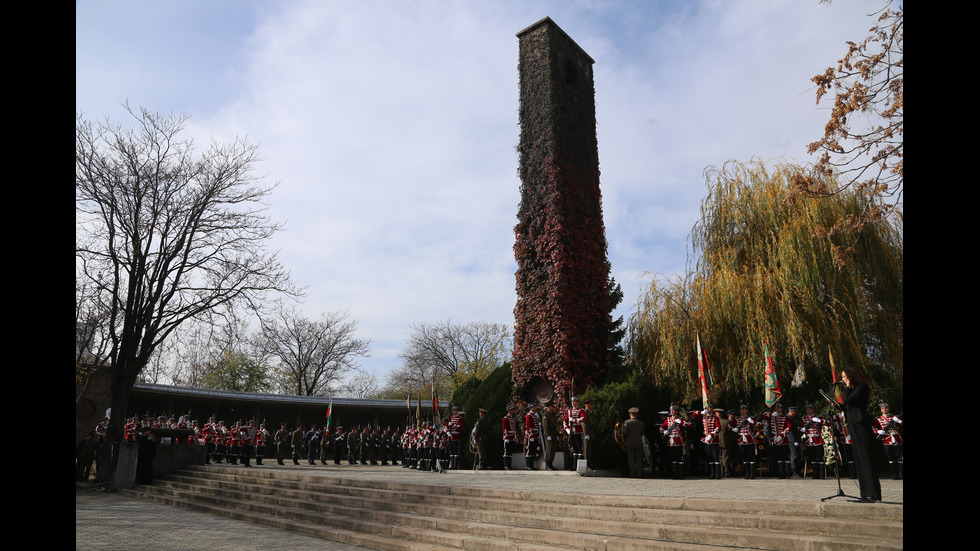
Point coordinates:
pixel 561 336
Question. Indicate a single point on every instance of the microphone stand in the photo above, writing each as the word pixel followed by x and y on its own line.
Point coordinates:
pixel 832 407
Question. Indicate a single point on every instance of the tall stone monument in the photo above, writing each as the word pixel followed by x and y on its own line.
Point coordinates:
pixel 561 335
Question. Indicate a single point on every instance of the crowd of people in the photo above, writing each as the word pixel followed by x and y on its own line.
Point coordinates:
pixel 796 442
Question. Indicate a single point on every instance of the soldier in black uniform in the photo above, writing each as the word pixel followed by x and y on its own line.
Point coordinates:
pixel 549 432
pixel 353 445
pixel 339 444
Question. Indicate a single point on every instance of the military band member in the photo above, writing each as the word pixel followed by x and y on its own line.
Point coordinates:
pixel 235 437
pixel 423 446
pixel 672 430
pixel 886 427
pixel 745 428
pixel 208 434
pixel 261 438
pixel 532 437
pixel 511 436
pixel 441 448
pixel 812 429
pixel 248 434
pixel 780 426
pixel 574 424
pixel 408 448
pixel 454 426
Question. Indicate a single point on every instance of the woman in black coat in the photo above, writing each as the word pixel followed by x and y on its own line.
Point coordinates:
pixel 857 392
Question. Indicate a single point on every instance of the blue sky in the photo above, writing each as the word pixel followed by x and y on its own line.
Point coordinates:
pixel 391 126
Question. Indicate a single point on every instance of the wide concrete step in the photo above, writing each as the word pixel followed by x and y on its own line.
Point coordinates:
pixel 436 516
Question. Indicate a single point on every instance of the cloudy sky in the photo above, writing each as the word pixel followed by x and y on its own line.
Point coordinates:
pixel 391 126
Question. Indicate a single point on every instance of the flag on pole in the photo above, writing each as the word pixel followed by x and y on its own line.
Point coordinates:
pixel 704 372
pixel 329 413
pixel 838 391
pixel 436 418
pixel 773 393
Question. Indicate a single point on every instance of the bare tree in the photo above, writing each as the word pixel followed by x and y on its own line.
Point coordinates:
pixel 416 378
pixel 363 384
pixel 457 350
pixel 313 356
pixel 863 145
pixel 869 80
pixel 164 234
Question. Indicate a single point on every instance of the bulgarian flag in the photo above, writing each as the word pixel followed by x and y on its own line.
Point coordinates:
pixel 704 372
pixel 838 392
pixel 773 393
pixel 329 414
pixel 436 420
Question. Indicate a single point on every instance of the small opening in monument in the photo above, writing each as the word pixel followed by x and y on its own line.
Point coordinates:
pixel 571 73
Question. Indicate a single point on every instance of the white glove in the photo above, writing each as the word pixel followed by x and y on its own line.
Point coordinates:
pixel 586 436
pixel 881 432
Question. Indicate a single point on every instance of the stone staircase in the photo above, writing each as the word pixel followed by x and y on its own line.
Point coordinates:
pixel 391 515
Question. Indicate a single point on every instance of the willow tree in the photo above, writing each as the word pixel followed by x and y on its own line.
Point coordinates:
pixel 762 280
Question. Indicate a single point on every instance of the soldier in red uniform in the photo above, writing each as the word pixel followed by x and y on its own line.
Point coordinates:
pixel 248 442
pixel 220 442
pixel 261 438
pixel 441 448
pixel 779 428
pixel 886 427
pixel 208 434
pixel 235 438
pixel 511 437
pixel 745 428
pixel 813 440
pixel 532 437
pixel 672 430
pixel 574 424
pixel 454 427
pixel 711 424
